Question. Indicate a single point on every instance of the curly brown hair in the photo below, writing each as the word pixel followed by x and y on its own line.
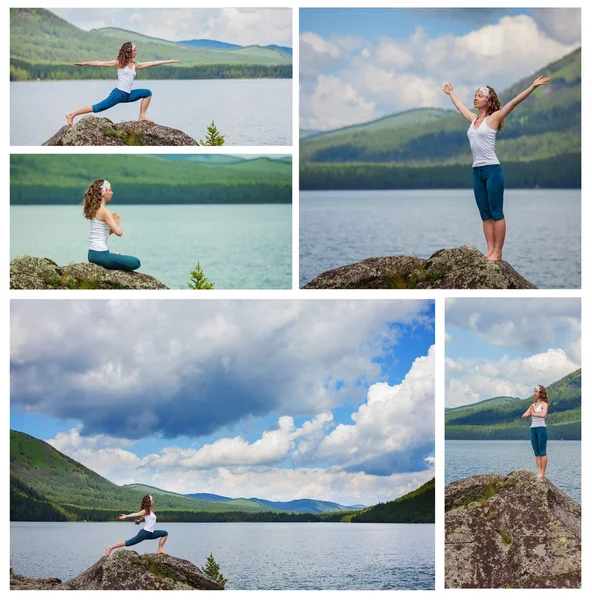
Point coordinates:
pixel 543 393
pixel 125 54
pixel 146 503
pixel 494 104
pixel 92 199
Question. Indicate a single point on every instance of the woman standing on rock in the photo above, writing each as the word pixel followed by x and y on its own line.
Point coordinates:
pixel 102 224
pixel 147 533
pixel 488 177
pixel 126 73
pixel 538 430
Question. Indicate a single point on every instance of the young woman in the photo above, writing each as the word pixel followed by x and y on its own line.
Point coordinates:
pixel 102 224
pixel 126 73
pixel 488 177
pixel 538 430
pixel 147 515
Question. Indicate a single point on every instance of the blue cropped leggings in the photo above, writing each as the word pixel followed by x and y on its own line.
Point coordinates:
pixel 117 97
pixel 538 439
pixel 121 262
pixel 146 535
pixel 488 185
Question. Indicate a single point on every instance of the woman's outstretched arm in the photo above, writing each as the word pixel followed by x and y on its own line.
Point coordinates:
pixel 155 63
pixel 462 109
pixel 528 412
pixel 502 113
pixel 138 514
pixel 97 63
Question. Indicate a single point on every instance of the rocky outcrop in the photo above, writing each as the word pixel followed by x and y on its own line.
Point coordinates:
pixel 517 531
pixel 463 268
pixel 99 131
pixel 127 570
pixel 31 273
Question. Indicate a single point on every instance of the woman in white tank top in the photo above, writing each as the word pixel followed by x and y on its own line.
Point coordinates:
pixel 126 73
pixel 102 224
pixel 148 532
pixel 537 412
pixel 488 177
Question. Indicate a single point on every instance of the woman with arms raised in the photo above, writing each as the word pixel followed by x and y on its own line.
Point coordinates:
pixel 126 73
pixel 488 177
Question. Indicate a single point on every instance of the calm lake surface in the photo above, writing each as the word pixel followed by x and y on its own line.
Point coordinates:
pixel 248 112
pixel 465 458
pixel 238 246
pixel 253 556
pixel 338 228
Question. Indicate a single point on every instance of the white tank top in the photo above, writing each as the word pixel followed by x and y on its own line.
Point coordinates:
pixel 538 421
pixel 482 142
pixel 125 79
pixel 99 232
pixel 150 522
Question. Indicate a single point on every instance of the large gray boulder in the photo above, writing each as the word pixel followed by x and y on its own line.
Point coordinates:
pixel 517 531
pixel 127 570
pixel 100 131
pixel 32 273
pixel 463 268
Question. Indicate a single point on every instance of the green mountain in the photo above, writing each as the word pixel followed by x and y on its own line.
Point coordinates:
pixel 540 144
pixel 46 485
pixel 44 46
pixel 418 506
pixel 501 418
pixel 149 179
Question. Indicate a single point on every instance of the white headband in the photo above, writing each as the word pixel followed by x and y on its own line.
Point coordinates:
pixel 485 91
pixel 105 187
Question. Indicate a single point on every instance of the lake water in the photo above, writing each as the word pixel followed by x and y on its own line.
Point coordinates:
pixel 253 556
pixel 248 112
pixel 338 228
pixel 238 246
pixel 465 458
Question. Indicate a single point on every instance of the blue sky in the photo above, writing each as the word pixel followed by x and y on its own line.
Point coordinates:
pixel 238 398
pixel 504 347
pixel 361 64
pixel 242 26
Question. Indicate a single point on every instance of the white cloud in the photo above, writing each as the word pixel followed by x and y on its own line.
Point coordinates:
pixel 385 75
pixel 469 380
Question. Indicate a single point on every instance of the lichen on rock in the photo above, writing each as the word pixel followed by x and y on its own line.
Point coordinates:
pixel 32 273
pixel 517 531
pixel 100 131
pixel 453 268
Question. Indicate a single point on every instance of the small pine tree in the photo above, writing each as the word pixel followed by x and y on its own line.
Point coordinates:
pixel 212 570
pixel 213 137
pixel 198 280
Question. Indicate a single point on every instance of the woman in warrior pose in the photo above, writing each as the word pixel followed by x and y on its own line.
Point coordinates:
pixel 488 177
pixel 538 430
pixel 126 73
pixel 147 533
pixel 102 224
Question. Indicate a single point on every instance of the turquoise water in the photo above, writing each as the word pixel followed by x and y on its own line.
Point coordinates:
pixel 253 556
pixel 543 241
pixel 238 246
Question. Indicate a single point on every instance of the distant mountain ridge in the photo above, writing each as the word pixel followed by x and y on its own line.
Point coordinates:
pixel 423 148
pixel 46 485
pixel 500 418
pixel 217 45
pixel 45 46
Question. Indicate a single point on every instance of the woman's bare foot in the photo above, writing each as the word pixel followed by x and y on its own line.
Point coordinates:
pixel 143 118
pixel 540 476
pixel 116 252
pixel 108 550
pixel 70 119
pixel 488 253
pixel 494 257
pixel 162 552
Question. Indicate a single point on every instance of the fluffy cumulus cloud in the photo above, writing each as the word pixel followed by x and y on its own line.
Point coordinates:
pixel 243 26
pixel 177 368
pixel 529 324
pixel 385 75
pixel 470 380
